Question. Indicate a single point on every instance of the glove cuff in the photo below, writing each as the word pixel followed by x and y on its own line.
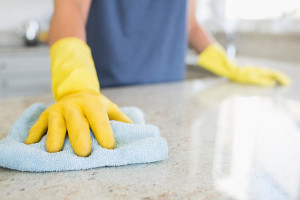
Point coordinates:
pixel 213 50
pixel 72 68
pixel 214 59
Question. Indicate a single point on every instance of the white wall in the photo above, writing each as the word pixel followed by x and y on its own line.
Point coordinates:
pixel 13 13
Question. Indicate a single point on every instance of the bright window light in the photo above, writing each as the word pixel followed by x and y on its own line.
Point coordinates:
pixel 262 9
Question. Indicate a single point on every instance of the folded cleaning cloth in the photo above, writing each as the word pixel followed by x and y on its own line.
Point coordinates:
pixel 135 143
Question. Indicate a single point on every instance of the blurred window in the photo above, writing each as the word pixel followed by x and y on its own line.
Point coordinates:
pixel 262 9
pixel 267 16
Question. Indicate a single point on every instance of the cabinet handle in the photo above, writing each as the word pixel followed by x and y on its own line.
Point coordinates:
pixel 3 66
pixel 3 83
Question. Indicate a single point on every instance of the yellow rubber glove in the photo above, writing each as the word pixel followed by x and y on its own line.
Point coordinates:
pixel 214 59
pixel 80 105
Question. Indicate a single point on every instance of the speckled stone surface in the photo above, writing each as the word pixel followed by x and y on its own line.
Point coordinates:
pixel 184 113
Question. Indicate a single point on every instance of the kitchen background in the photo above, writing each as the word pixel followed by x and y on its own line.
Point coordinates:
pixel 248 29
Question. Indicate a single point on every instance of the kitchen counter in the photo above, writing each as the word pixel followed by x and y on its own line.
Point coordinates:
pixel 184 113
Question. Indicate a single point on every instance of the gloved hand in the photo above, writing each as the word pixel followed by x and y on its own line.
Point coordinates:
pixel 79 102
pixel 214 59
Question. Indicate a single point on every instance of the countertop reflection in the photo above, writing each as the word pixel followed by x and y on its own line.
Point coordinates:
pixel 209 158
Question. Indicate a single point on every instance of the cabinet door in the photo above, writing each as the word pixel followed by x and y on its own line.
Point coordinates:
pixel 22 75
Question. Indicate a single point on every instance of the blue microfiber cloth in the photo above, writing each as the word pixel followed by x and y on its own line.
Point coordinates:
pixel 135 143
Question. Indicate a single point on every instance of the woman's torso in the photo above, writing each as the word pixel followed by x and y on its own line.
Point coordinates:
pixel 137 42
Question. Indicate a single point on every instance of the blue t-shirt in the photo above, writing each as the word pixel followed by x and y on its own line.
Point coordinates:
pixel 137 41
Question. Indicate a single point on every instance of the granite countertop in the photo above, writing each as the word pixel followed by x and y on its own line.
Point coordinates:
pixel 182 111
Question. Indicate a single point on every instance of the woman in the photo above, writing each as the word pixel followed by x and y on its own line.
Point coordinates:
pixel 121 42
